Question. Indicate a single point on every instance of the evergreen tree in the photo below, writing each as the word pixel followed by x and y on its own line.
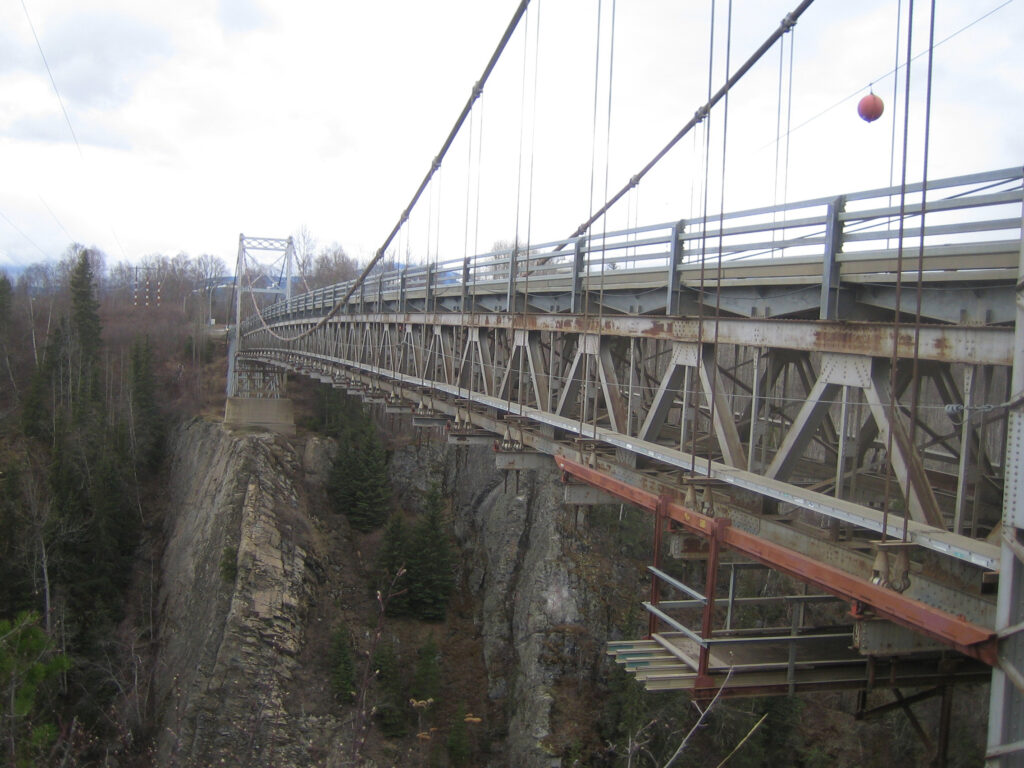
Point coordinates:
pixel 35 420
pixel 83 340
pixel 147 422
pixel 341 480
pixel 28 663
pixel 85 309
pixel 359 485
pixel 372 491
pixel 430 561
pixel 15 583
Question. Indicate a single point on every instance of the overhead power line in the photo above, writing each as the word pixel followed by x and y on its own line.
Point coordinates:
pixel 18 230
pixel 53 82
pixel 54 215
pixel 67 120
pixel 891 72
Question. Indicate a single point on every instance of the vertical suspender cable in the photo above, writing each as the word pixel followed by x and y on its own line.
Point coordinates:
pixel 604 229
pixel 789 121
pixel 894 357
pixel 529 193
pixel 778 145
pixel 895 95
pixel 513 257
pixel 703 248
pixel 585 384
pixel 479 181
pixel 915 375
pixel 469 187
pixel 721 224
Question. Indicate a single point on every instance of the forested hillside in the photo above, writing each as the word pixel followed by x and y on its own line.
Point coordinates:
pixel 91 363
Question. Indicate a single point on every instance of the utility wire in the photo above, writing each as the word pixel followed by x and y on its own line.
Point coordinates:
pixel 53 82
pixel 67 119
pixel 896 69
pixel 54 215
pixel 18 230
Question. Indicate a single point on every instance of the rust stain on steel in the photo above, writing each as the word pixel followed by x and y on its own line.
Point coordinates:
pixel 989 345
pixel 970 639
pixel 851 340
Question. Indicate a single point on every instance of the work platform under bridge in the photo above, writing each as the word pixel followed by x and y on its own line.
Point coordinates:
pixel 823 388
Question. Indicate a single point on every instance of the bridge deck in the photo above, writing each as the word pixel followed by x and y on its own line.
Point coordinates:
pixel 820 376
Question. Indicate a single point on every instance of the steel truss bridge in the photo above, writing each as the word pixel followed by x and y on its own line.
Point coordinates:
pixel 825 388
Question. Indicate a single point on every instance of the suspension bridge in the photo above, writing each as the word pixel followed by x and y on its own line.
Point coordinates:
pixel 828 388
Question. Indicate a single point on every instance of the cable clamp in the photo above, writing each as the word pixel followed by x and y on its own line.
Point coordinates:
pixel 701 113
pixel 788 22
pixel 478 88
pixel 960 411
pixel 634 180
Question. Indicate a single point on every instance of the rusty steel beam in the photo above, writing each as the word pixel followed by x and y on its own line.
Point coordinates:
pixel 970 639
pixel 975 345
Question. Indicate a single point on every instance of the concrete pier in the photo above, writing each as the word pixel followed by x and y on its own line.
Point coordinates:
pixel 271 414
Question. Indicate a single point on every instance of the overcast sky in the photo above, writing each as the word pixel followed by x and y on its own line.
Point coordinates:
pixel 198 120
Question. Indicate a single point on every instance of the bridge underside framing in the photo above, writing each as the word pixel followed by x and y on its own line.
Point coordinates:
pixel 781 408
pixel 796 412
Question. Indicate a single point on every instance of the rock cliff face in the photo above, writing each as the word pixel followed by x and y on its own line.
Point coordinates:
pixel 541 602
pixel 249 563
pixel 238 570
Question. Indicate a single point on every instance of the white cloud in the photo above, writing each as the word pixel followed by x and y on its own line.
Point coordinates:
pixel 199 120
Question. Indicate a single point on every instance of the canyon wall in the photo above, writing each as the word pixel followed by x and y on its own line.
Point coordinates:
pixel 254 567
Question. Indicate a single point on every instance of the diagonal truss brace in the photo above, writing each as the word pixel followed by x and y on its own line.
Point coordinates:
pixel 599 348
pixel 839 370
pixel 690 355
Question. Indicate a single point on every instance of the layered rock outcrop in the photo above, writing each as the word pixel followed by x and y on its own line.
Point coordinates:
pixel 238 570
pixel 245 556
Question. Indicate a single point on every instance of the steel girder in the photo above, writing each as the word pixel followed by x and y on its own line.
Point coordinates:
pixel 703 399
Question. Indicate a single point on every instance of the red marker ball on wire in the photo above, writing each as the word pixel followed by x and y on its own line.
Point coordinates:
pixel 870 108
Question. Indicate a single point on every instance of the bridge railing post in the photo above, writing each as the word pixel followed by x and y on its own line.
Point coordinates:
pixel 675 258
pixel 465 284
pixel 510 300
pixel 428 302
pixel 829 267
pixel 579 252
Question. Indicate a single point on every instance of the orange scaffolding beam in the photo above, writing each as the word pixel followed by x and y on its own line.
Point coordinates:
pixel 967 638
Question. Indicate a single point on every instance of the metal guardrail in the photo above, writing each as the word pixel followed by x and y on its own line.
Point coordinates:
pixel 977 215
